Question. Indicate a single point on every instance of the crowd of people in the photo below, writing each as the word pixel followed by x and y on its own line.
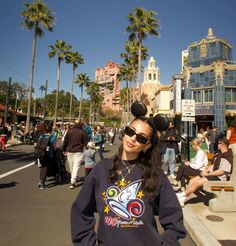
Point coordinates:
pixel 133 186
pixel 74 143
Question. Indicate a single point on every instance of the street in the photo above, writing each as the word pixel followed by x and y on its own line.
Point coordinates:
pixel 33 217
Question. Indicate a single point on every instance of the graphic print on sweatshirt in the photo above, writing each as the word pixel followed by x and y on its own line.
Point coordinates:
pixel 125 201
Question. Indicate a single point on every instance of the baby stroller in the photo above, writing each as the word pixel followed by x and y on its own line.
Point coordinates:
pixel 57 168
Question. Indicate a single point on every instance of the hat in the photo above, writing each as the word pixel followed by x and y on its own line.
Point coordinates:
pixel 90 144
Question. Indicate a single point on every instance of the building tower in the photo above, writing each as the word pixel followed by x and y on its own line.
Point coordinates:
pixel 209 77
pixel 151 84
pixel 106 77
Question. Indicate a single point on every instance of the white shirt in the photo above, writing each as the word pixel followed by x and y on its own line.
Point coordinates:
pixel 200 161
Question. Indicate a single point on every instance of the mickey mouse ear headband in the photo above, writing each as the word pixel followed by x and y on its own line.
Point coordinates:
pixel 160 121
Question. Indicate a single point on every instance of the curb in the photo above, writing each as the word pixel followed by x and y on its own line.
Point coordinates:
pixel 197 230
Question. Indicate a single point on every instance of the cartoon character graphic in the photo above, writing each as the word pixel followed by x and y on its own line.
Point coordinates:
pixel 124 202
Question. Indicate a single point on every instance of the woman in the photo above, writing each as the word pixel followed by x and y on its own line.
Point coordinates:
pixel 98 140
pixel 127 191
pixel 44 151
pixel 231 134
pixel 193 167
pixel 201 135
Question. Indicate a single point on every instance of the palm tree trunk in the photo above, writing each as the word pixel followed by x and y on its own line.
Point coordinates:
pixel 45 98
pixel 130 96
pixel 127 95
pixel 31 82
pixel 71 95
pixel 139 67
pixel 80 103
pixel 58 88
pixel 90 113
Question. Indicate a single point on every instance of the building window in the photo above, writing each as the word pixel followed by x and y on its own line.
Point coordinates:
pixel 197 96
pixel 203 50
pixel 154 76
pixel 234 95
pixel 208 95
pixel 150 76
pixel 230 95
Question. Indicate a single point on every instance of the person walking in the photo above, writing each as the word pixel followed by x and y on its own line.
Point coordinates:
pixel 98 140
pixel 170 141
pixel 44 150
pixel 3 137
pixel 219 171
pixel 191 168
pixel 127 191
pixel 73 146
pixel 88 129
pixel 89 158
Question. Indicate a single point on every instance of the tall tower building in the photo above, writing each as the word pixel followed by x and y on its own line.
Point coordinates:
pixel 152 73
pixel 151 84
pixel 106 77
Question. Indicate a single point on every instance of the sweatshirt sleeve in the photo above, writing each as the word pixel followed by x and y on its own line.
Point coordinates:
pixel 82 215
pixel 170 214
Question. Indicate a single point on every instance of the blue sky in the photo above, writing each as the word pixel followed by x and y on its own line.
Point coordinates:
pixel 96 29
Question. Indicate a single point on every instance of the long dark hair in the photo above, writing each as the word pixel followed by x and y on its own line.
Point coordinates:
pixel 150 161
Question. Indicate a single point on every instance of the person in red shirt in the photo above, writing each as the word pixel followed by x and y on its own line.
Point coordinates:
pixel 231 134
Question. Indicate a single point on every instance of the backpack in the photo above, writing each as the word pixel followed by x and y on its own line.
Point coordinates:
pixel 43 147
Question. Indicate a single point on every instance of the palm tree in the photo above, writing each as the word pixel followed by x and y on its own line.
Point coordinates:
pixel 37 16
pixel 142 23
pixel 59 49
pixel 83 80
pixel 131 60
pixel 73 58
pixel 127 73
pixel 95 99
pixel 42 88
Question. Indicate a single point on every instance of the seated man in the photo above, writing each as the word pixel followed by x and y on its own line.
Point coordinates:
pixel 221 168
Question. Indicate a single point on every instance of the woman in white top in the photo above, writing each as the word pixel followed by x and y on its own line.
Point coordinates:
pixel 194 167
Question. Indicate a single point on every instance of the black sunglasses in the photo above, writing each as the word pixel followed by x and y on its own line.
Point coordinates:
pixel 139 137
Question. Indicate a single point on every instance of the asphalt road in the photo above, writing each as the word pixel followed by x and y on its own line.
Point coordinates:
pixel 33 217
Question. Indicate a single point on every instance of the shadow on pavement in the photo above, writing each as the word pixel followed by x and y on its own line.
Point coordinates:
pixel 201 196
pixel 8 185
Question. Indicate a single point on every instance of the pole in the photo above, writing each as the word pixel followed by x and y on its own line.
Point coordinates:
pixel 45 96
pixel 34 106
pixel 7 97
pixel 188 147
pixel 63 108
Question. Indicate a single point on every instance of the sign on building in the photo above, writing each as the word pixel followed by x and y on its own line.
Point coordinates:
pixel 188 107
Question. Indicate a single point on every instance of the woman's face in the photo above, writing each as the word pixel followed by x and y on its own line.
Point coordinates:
pixel 131 144
pixel 195 146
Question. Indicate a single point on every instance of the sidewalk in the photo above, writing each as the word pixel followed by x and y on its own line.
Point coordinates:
pixel 208 228
pixel 12 142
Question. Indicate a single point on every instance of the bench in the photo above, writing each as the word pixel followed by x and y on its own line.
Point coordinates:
pixel 224 191
pixel 210 157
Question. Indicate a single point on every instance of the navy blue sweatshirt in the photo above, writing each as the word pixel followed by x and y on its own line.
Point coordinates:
pixel 125 215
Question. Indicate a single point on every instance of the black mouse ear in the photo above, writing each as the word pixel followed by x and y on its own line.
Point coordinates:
pixel 138 109
pixel 161 122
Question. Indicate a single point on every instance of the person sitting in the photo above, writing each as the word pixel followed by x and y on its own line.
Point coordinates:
pixel 219 171
pixel 191 168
